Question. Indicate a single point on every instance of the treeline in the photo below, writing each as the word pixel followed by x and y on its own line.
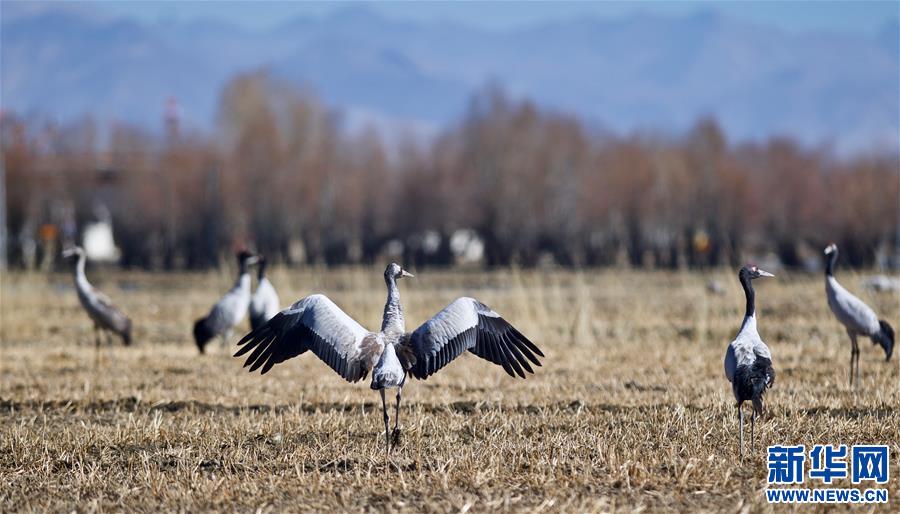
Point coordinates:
pixel 282 177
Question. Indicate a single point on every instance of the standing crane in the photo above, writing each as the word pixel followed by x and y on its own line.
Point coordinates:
pixel 107 318
pixel 264 303
pixel 315 323
pixel 748 362
pixel 230 310
pixel 857 317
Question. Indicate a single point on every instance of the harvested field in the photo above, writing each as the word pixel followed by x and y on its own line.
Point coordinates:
pixel 630 411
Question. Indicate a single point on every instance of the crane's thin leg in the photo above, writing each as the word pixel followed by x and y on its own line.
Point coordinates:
pixel 110 342
pixel 752 434
pixel 852 355
pixel 104 344
pixel 387 437
pixel 396 434
pixel 854 359
pixel 96 345
pixel 741 418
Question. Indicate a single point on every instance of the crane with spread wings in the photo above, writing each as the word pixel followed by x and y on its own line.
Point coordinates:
pixel 316 324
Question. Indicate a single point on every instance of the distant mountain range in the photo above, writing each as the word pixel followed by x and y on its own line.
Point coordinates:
pixel 638 73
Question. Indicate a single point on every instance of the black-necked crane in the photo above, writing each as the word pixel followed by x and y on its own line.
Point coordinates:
pixel 748 361
pixel 315 323
pixel 107 318
pixel 264 304
pixel 857 317
pixel 230 310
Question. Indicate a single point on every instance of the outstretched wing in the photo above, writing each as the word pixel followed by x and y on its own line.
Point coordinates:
pixel 314 323
pixel 467 324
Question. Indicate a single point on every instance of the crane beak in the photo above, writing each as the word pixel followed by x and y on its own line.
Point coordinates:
pixel 406 274
pixel 68 252
pixel 764 273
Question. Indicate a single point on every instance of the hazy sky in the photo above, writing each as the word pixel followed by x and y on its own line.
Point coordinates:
pixel 853 17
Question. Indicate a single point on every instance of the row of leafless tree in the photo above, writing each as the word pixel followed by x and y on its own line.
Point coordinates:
pixel 282 177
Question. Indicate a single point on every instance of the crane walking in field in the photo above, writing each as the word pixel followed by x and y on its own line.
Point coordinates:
pixel 315 323
pixel 857 317
pixel 230 310
pixel 106 317
pixel 264 304
pixel 748 362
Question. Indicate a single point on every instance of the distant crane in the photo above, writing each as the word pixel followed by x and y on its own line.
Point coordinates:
pixel 857 317
pixel 230 310
pixel 264 304
pixel 315 323
pixel 748 362
pixel 106 317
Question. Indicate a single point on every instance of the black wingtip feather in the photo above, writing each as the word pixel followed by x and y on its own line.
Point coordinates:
pixel 269 363
pixel 504 359
pixel 523 349
pixel 256 364
pixel 505 356
pixel 491 351
pixel 249 342
pixel 513 361
pixel 518 355
pixel 503 343
pixel 261 346
pixel 527 342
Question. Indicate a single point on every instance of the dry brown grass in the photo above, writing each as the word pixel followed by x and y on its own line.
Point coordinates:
pixel 630 411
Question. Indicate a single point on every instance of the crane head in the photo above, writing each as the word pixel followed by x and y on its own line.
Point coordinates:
pixel 753 272
pixel 72 251
pixel 247 258
pixel 395 272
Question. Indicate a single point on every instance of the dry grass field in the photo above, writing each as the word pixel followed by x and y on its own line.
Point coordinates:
pixel 631 410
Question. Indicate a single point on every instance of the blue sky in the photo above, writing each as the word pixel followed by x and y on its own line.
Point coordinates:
pixel 846 17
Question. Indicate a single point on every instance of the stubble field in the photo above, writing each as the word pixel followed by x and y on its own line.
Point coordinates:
pixel 630 411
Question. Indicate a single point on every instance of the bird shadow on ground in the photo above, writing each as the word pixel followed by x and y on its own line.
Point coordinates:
pixel 467 407
pixel 843 412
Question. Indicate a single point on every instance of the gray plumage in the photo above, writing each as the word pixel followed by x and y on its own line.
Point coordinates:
pixel 857 317
pixel 748 361
pixel 316 324
pixel 106 317
pixel 264 304
pixel 230 310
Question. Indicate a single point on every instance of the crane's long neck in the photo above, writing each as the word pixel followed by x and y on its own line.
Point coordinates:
pixel 243 280
pixel 81 281
pixel 750 295
pixel 261 271
pixel 393 311
pixel 829 264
